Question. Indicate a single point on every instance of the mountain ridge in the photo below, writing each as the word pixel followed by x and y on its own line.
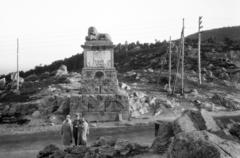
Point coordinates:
pixel 219 34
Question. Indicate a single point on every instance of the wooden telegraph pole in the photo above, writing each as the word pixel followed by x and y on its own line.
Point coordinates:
pixel 182 75
pixel 170 65
pixel 126 48
pixel 17 65
pixel 199 49
pixel 177 67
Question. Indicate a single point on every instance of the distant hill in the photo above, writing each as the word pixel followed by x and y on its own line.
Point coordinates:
pixel 137 56
pixel 149 55
pixel 219 34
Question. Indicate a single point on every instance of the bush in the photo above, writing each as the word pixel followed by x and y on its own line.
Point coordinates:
pixel 32 77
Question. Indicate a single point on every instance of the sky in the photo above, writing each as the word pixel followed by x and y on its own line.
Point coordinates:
pixel 50 30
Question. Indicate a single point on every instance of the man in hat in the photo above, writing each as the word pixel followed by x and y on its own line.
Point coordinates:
pixel 77 124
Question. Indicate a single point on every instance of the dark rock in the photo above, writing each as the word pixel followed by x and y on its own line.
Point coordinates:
pixel 164 134
pixel 48 151
pixel 106 140
pixel 58 154
pixel 15 113
pixel 235 130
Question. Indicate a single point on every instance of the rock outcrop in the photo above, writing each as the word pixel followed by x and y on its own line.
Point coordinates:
pixel 49 151
pixel 15 113
pixel 108 149
pixel 199 144
pixel 62 70
pixel 189 121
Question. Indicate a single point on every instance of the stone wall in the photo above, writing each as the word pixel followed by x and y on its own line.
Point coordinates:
pixel 99 107
pixel 99 81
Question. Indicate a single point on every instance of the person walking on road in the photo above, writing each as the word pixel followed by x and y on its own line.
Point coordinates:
pixel 66 131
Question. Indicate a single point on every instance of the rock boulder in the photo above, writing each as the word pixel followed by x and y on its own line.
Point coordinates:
pixel 62 70
pixel 189 121
pixel 48 151
pixel 199 144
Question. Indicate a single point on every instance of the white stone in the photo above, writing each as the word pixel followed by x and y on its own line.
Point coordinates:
pixel 36 114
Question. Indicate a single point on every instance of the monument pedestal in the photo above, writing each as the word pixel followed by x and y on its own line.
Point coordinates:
pixel 99 81
pixel 100 107
pixel 100 100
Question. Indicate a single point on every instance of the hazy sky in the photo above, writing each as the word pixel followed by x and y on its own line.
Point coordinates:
pixel 50 30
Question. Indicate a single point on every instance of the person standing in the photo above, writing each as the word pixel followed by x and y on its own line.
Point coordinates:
pixel 77 123
pixel 66 131
pixel 83 132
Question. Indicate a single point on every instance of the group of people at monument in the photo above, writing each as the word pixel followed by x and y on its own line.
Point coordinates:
pixel 75 131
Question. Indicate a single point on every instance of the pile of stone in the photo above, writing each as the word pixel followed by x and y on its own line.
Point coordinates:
pixel 92 107
pixel 108 147
pixel 16 113
pixel 139 104
pixel 188 137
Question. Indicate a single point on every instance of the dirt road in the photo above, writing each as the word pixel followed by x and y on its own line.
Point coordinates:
pixel 28 146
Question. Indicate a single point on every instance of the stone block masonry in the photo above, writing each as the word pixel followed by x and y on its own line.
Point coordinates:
pixel 99 74
pixel 98 98
pixel 99 107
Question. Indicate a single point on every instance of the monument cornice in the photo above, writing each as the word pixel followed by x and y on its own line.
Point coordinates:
pixel 97 47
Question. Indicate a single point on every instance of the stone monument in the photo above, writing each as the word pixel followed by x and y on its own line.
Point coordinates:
pixel 98 73
pixel 99 99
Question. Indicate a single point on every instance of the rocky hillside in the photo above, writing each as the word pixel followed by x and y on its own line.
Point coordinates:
pixel 219 34
pixel 220 48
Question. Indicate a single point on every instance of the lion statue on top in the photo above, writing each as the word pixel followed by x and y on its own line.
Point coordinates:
pixel 94 35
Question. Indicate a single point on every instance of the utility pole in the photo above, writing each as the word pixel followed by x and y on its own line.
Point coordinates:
pixel 17 65
pixel 178 51
pixel 183 58
pixel 199 49
pixel 126 48
pixel 170 65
